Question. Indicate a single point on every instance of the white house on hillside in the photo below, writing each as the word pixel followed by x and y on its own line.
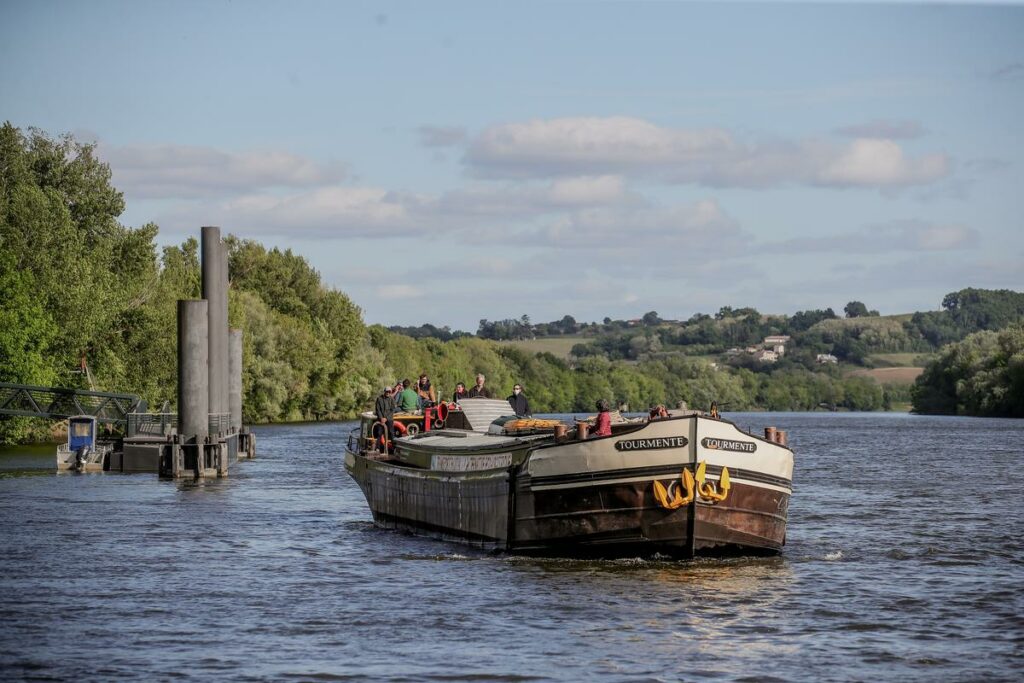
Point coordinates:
pixel 777 343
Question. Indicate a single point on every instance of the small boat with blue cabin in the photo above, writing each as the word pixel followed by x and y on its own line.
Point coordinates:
pixel 683 484
pixel 82 452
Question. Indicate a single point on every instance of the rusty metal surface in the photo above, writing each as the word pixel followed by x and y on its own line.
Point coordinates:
pixel 750 516
pixel 628 514
pixel 471 508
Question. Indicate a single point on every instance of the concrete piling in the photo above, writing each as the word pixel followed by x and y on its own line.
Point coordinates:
pixel 235 378
pixel 210 434
pixel 215 291
pixel 193 384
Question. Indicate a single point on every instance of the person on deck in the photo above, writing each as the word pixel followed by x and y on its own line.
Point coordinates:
pixel 658 412
pixel 408 400
pixel 460 393
pixel 425 391
pixel 518 401
pixel 384 410
pixel 603 425
pixel 478 390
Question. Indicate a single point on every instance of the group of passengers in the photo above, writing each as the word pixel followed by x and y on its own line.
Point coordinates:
pixel 408 398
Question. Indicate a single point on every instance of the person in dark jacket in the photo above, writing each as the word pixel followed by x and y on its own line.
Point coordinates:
pixel 460 392
pixel 478 390
pixel 384 410
pixel 518 401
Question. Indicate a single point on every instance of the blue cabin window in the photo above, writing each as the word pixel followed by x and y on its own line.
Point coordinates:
pixel 81 433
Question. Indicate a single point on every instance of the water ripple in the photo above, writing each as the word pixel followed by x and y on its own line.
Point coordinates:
pixel 904 562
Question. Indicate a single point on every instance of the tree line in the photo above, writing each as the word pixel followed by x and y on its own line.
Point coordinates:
pixel 555 385
pixel 853 337
pixel 76 284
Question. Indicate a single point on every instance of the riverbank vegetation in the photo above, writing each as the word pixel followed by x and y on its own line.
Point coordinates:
pixel 79 288
pixel 983 375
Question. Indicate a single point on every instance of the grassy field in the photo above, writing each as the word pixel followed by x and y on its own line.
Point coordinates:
pixel 556 346
pixel 897 360
pixel 890 375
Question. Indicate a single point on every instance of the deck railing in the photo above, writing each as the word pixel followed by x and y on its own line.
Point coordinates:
pixel 151 424
pixel 162 424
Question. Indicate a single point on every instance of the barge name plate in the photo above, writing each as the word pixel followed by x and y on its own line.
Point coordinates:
pixel 470 463
pixel 714 444
pixel 651 444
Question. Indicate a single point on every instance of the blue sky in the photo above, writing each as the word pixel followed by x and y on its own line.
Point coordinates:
pixel 445 162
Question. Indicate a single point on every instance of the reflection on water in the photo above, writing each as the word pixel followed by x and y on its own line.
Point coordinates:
pixel 904 562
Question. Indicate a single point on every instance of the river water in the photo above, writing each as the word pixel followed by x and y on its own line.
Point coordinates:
pixel 904 562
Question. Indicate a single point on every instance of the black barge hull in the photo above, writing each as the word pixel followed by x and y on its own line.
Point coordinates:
pixel 596 520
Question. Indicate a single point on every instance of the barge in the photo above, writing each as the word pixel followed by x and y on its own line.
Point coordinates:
pixel 684 485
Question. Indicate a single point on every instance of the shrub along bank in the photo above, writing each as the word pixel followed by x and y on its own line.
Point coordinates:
pixel 983 375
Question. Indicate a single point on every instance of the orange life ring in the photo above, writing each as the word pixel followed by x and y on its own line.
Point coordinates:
pixel 400 429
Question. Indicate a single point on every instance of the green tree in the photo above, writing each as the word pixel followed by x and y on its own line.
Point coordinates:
pixel 982 375
pixel 855 309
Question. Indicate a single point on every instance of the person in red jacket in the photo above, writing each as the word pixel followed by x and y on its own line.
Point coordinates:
pixel 603 425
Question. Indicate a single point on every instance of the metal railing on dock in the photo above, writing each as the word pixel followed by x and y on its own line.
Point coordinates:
pixel 220 423
pixel 151 424
pixel 162 424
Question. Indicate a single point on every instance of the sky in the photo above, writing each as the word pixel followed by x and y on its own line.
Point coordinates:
pixel 446 162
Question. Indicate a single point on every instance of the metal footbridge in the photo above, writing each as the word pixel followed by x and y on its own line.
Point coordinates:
pixel 58 403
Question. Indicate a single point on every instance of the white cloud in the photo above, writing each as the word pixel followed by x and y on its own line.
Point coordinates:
pixel 715 157
pixel 185 171
pixel 527 199
pixel 881 163
pixel 558 146
pixel 587 190
pixel 698 225
pixel 482 212
pixel 894 236
pixel 328 212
